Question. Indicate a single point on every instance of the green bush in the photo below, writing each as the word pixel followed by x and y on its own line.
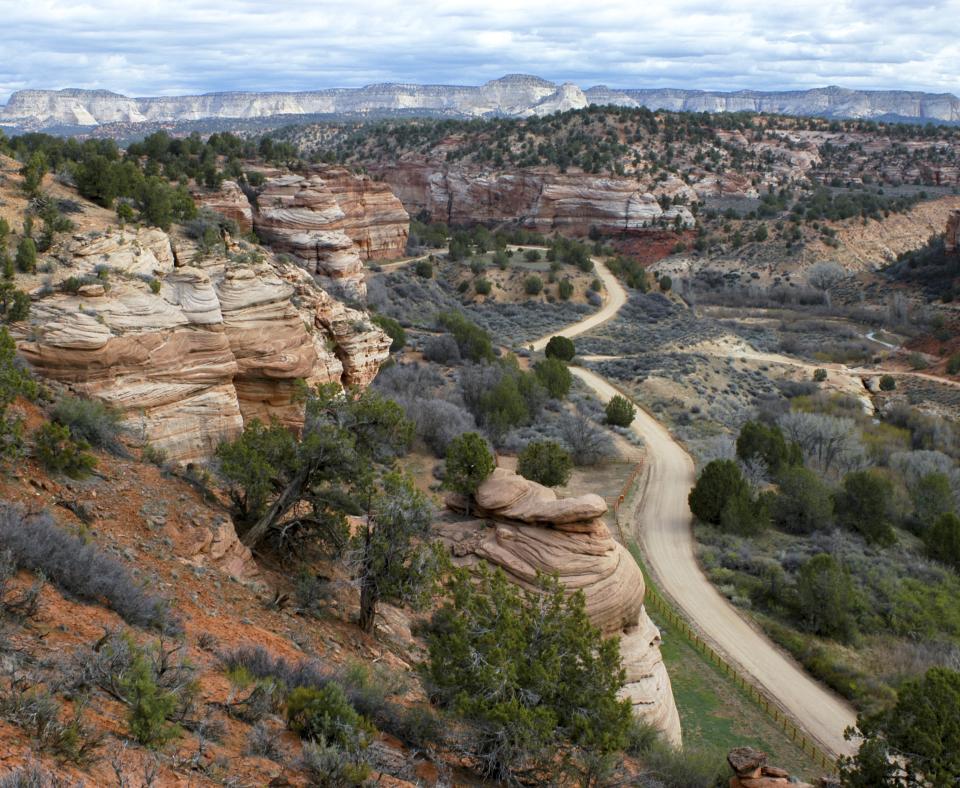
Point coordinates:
pixel 532 255
pixel 865 505
pixel 763 442
pixel 59 453
pixel 953 364
pixel 560 347
pixel 89 421
pixel 325 714
pixel 482 286
pixel 803 504
pixel 666 283
pixel 533 285
pixel 27 256
pixel 943 540
pixel 424 269
pixel 330 766
pixel 565 289
pixel 887 383
pixel 150 706
pixel 473 341
pixel 545 462
pixel 819 375
pixel 469 462
pixel 620 412
pixel 555 377
pixel 826 598
pixel 393 330
pixel 719 482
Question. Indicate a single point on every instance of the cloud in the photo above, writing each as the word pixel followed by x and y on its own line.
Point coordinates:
pixel 186 46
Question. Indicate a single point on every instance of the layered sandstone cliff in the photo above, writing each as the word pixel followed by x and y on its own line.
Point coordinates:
pixel 331 220
pixel 190 352
pixel 546 201
pixel 535 532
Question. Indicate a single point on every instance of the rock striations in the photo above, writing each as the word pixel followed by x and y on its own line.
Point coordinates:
pixel 186 352
pixel 542 200
pixel 515 95
pixel 329 220
pixel 534 531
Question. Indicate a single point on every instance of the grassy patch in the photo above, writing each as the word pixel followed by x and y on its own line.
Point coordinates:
pixel 714 712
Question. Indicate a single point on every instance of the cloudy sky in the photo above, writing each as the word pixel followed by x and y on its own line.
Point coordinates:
pixel 146 47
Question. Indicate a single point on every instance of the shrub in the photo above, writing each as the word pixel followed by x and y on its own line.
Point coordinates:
pixel 665 283
pixel 442 349
pixel 819 375
pixel 469 463
pixel 150 706
pixel 865 504
pixel 547 676
pixel 424 269
pixel 561 348
pixel 887 383
pixel 719 482
pixel 329 766
pixel 804 503
pixel 59 453
pixel 953 364
pixel 588 443
pixel 765 443
pixel 555 377
pixel 482 286
pixel 393 330
pixel 40 714
pixel 38 545
pixel 545 462
pixel 439 422
pixel 565 289
pixel 943 540
pixel 89 421
pixel 26 256
pixel 620 412
pixel 473 341
pixel 532 255
pixel 533 285
pixel 826 598
pixel 325 714
pixel 263 742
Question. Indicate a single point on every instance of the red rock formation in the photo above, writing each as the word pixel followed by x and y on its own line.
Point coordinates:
pixel 566 202
pixel 330 220
pixel 208 350
pixel 751 771
pixel 951 238
pixel 229 201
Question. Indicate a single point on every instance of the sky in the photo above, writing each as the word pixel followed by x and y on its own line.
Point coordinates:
pixel 146 48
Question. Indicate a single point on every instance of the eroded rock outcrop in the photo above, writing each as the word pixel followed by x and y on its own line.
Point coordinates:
pixel 951 238
pixel 751 770
pixel 534 531
pixel 330 221
pixel 190 353
pixel 546 201
pixel 229 201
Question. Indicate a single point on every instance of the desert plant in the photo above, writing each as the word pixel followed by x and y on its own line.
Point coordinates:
pixel 887 383
pixel 469 463
pixel 398 337
pixel 719 482
pixel 533 285
pixel 325 714
pixel 330 766
pixel 561 348
pixel 89 421
pixel 545 462
pixel 555 377
pixel 620 412
pixel 819 375
pixel 36 543
pixel 56 451
pixel 442 349
pixel 424 269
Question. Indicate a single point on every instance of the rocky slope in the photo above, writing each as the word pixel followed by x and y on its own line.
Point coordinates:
pixel 514 95
pixel 527 530
pixel 541 200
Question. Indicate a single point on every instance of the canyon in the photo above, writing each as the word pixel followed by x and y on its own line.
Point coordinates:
pixel 515 95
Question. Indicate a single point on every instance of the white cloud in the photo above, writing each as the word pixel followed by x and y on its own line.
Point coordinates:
pixel 152 48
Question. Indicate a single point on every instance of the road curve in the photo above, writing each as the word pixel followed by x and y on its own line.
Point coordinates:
pixel 663 524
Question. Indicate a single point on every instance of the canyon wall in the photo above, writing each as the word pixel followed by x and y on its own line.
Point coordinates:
pixel 515 95
pixel 566 202
pixel 189 352
pixel 329 219
pixel 535 532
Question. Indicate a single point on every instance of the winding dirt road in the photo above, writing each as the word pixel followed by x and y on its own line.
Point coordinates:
pixel 663 526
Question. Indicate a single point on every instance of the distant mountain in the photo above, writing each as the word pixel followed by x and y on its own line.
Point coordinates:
pixel 515 95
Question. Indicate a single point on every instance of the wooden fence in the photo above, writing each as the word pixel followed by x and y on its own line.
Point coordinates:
pixel 654 600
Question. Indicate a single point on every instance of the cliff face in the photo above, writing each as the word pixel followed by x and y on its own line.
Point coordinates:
pixel 951 237
pixel 569 203
pixel 516 95
pixel 211 348
pixel 534 531
pixel 330 220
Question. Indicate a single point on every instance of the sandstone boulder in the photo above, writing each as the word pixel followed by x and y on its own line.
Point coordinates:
pixel 229 201
pixel 577 547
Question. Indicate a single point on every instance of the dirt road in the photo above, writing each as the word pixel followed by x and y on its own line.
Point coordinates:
pixel 663 526
pixel 616 298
